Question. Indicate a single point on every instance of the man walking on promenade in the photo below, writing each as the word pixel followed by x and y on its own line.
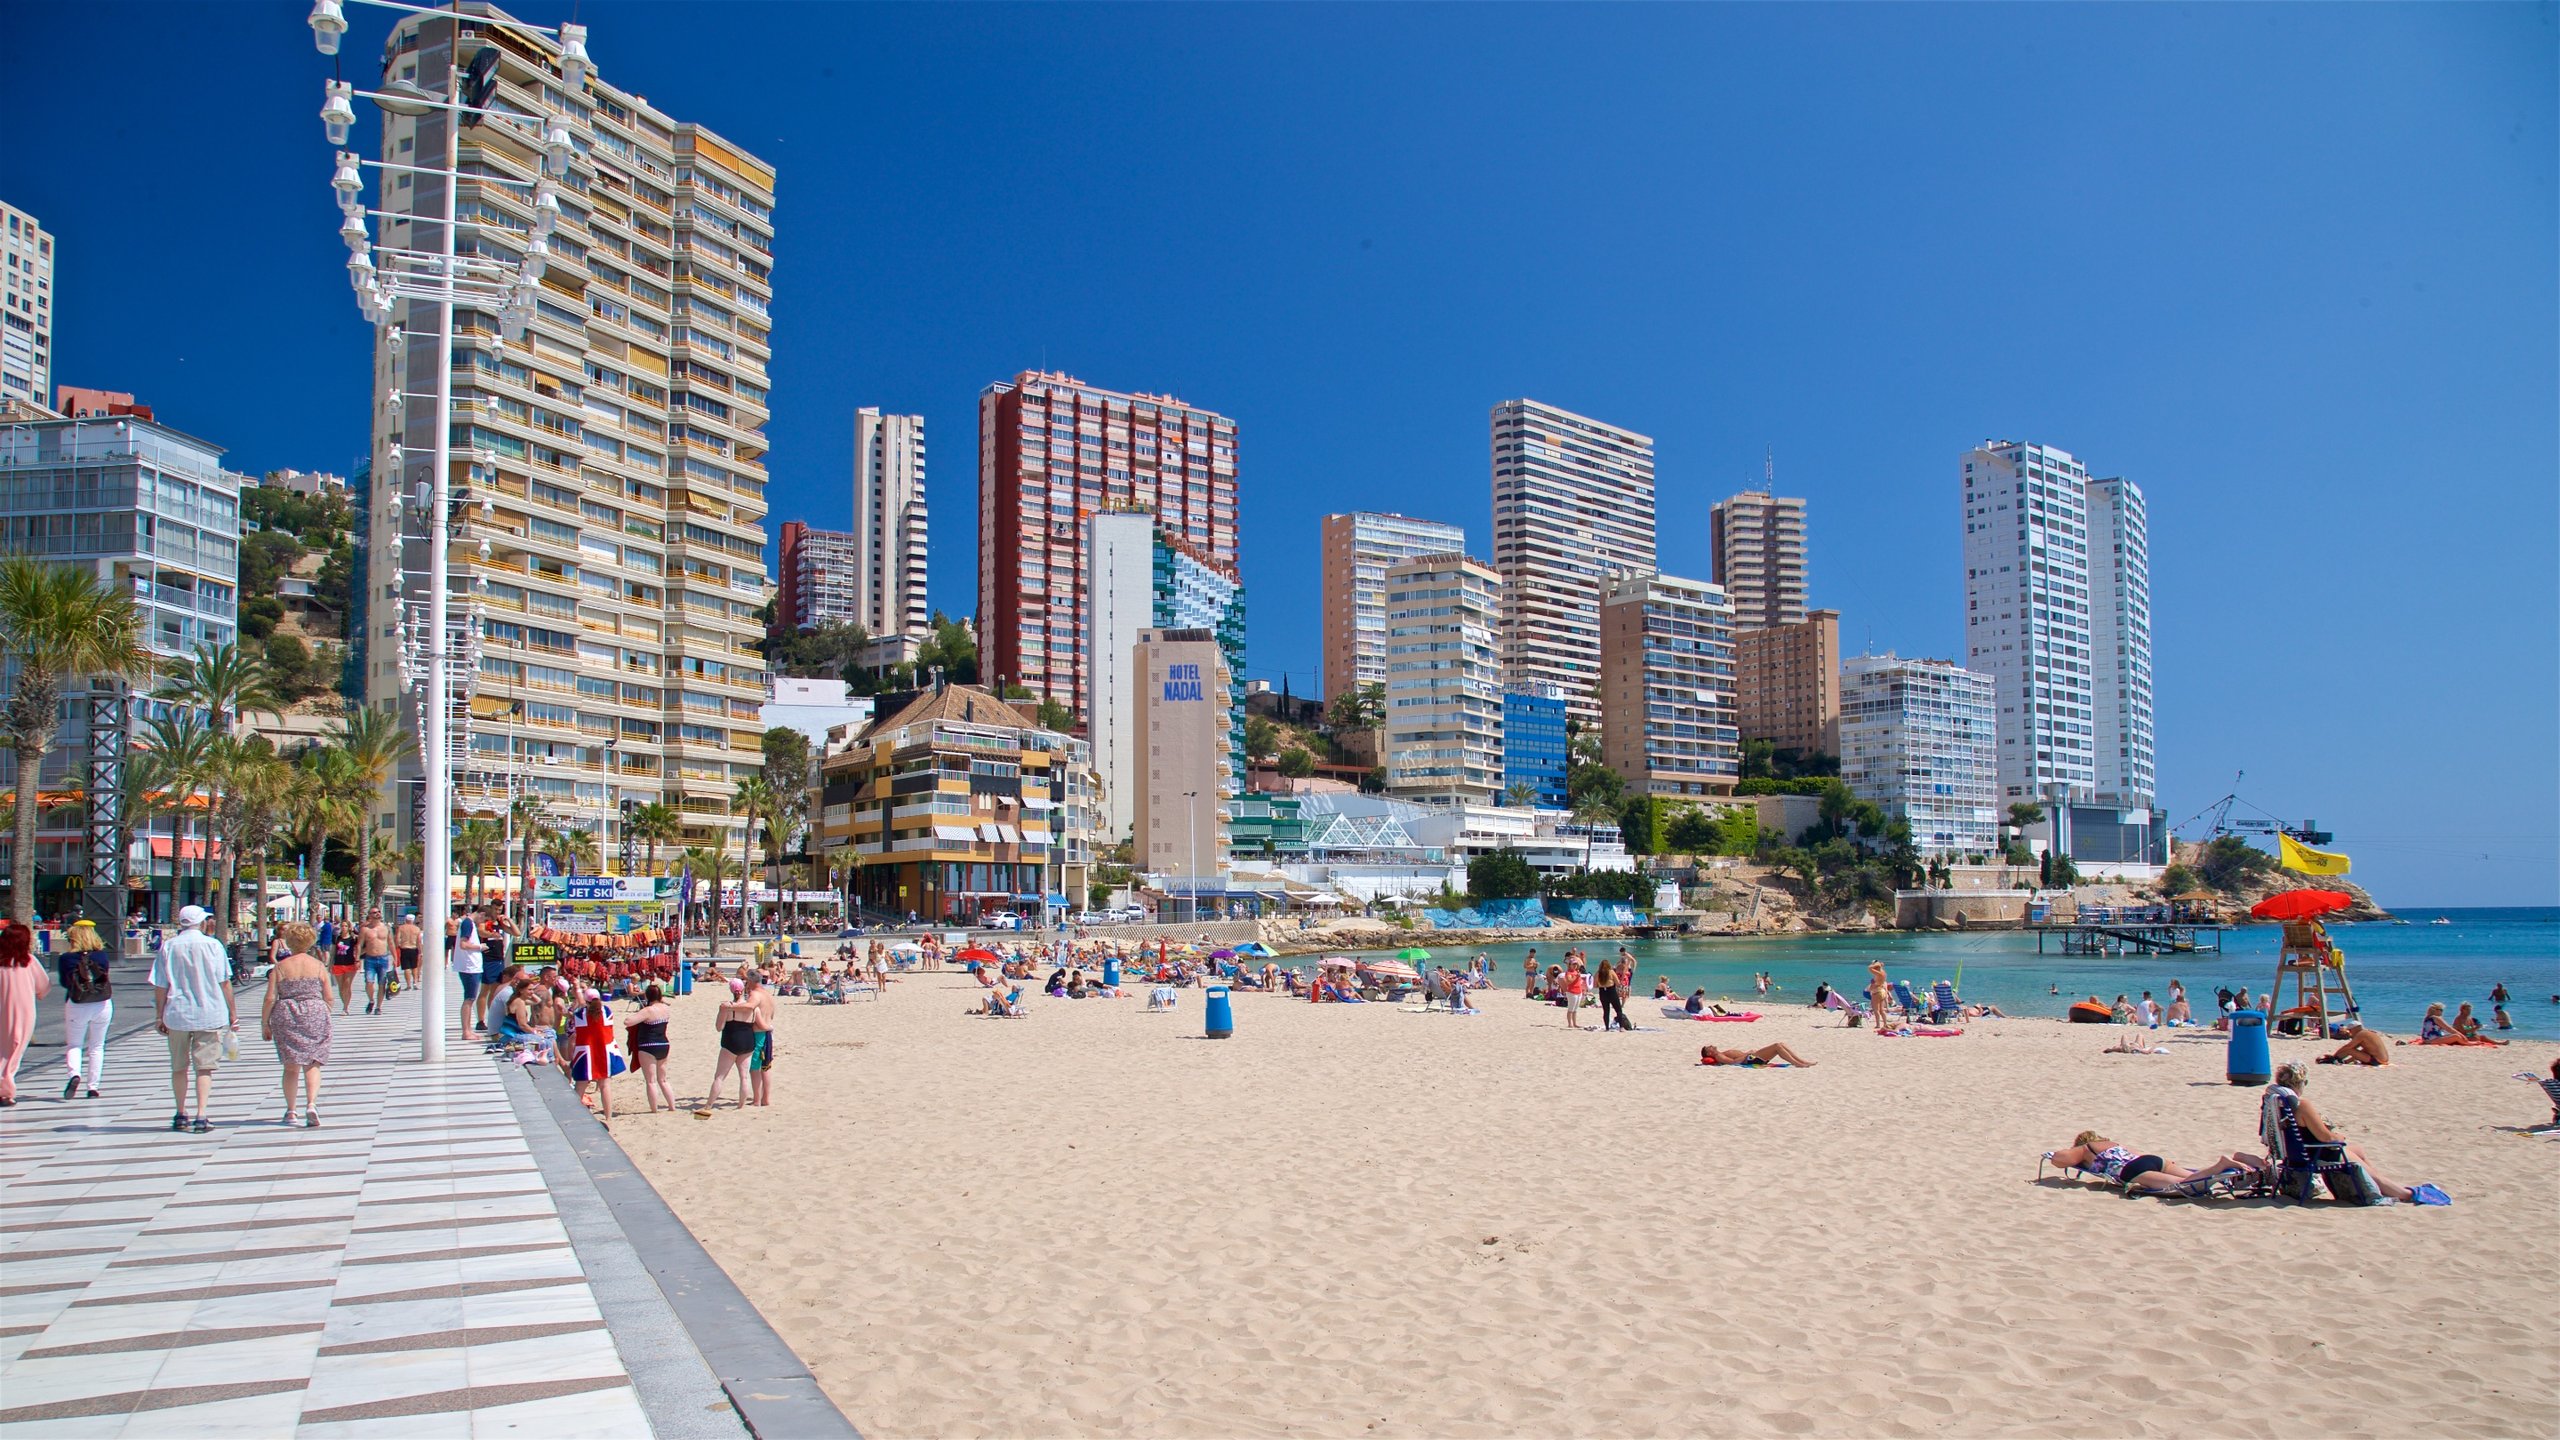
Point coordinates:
pixel 192 1005
pixel 373 947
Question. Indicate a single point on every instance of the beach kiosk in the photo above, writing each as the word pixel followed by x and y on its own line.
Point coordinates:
pixel 2312 963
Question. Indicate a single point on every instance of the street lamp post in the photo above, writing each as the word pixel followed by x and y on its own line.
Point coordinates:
pixel 441 277
pixel 1191 847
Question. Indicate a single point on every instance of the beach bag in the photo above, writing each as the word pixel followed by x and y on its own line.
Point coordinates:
pixel 86 983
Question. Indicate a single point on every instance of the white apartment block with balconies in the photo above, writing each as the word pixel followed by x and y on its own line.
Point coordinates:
pixel 1572 512
pixel 2120 636
pixel 1443 680
pixel 26 308
pixel 889 524
pixel 608 562
pixel 1921 739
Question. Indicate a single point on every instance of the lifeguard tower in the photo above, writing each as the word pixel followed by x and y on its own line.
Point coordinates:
pixel 2311 961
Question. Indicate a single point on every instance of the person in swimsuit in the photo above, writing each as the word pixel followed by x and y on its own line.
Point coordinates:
pixel 1768 1054
pixel 760 1062
pixel 648 1040
pixel 2108 1160
pixel 2364 1046
pixel 1879 992
pixel 373 951
pixel 406 942
pixel 737 1041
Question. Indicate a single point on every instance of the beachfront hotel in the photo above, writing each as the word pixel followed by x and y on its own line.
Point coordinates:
pixel 950 805
pixel 1138 578
pixel 2039 535
pixel 1572 511
pixel 1666 691
pixel 26 308
pixel 1357 549
pixel 890 531
pixel 1756 544
pixel 1921 739
pixel 1443 680
pixel 1052 451
pixel 1787 683
pixel 609 468
pixel 1186 777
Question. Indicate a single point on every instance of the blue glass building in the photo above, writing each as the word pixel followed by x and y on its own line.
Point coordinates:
pixel 1533 745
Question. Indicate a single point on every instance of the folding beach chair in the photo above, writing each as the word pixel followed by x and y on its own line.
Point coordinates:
pixel 1904 1000
pixel 1943 1004
pixel 2303 1165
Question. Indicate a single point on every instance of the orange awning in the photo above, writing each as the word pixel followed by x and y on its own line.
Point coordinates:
pixel 194 850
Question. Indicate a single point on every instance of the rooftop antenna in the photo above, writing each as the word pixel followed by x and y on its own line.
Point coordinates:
pixel 1769 470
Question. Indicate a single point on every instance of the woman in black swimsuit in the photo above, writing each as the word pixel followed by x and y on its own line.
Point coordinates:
pixel 737 1042
pixel 648 1038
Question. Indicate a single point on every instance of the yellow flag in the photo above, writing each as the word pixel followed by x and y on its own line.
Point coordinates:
pixel 2298 856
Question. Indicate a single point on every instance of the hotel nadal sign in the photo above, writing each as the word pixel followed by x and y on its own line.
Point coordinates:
pixel 1182 682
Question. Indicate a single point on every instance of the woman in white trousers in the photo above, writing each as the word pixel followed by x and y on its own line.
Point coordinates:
pixel 88 1002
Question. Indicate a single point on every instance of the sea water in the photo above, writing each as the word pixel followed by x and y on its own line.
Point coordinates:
pixel 2396 970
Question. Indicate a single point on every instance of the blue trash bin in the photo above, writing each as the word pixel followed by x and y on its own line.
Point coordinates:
pixel 1222 1019
pixel 1111 972
pixel 2248 1062
pixel 684 978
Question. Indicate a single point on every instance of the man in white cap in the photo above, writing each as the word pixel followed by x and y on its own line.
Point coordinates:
pixel 191 995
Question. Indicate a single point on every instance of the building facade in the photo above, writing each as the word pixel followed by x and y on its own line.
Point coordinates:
pixel 1193 591
pixel 1535 748
pixel 889 524
pixel 1921 739
pixel 1185 777
pixel 79 402
pixel 609 563
pixel 1666 689
pixel 1119 605
pixel 1357 549
pixel 815 578
pixel 1787 683
pixel 2120 636
pixel 2039 535
pixel 1756 541
pixel 946 808
pixel 1443 680
pixel 26 308
pixel 1052 451
pixel 143 507
pixel 1572 511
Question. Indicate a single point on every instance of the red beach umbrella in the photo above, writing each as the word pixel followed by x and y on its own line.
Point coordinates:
pixel 980 955
pixel 2300 904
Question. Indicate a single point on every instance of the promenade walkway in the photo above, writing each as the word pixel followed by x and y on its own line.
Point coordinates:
pixel 435 1260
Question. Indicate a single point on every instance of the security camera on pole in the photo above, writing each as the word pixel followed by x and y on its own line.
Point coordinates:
pixel 442 276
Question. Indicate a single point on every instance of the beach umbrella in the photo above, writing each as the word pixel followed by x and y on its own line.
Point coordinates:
pixel 1222 954
pixel 2300 904
pixel 1389 967
pixel 979 954
pixel 1413 952
pixel 1254 948
pixel 1338 962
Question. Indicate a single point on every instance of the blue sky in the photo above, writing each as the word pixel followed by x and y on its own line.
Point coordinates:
pixel 2289 267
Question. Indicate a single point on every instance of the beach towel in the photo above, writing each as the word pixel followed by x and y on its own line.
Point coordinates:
pixel 1681 1012
pixel 1920 1032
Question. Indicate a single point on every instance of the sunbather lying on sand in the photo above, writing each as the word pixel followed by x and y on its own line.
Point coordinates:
pixel 2365 1046
pixel 2108 1160
pixel 1765 1055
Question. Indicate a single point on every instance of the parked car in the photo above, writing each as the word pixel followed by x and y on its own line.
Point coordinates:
pixel 1000 920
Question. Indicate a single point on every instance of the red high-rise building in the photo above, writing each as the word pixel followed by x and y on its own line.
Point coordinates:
pixel 1051 451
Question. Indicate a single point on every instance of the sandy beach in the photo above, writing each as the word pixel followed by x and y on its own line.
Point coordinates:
pixel 1352 1221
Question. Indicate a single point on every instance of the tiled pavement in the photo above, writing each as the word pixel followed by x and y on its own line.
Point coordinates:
pixel 401 1271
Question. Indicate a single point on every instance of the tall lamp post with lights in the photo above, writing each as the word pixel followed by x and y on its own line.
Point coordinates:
pixel 442 276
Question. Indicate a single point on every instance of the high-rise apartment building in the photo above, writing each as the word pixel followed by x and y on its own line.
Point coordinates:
pixel 1053 450
pixel 814 579
pixel 1787 683
pixel 889 524
pixel 1572 511
pixel 1535 748
pixel 2033 522
pixel 1756 543
pixel 26 308
pixel 2120 634
pixel 1920 738
pixel 608 562
pixel 1358 548
pixel 1666 664
pixel 1137 578
pixel 1182 778
pixel 1443 680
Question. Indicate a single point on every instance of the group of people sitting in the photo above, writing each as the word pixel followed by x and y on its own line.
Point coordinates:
pixel 2288 1125
pixel 2365 1045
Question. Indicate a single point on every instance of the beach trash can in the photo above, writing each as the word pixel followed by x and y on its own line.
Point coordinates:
pixel 684 978
pixel 1221 1015
pixel 1111 972
pixel 2248 1062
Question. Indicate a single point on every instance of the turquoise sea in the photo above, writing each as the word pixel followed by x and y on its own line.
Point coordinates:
pixel 2397 970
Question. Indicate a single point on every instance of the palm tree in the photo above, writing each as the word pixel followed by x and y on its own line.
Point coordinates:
pixel 757 801
pixel 706 864
pixel 656 823
pixel 375 742
pixel 530 819
pixel 225 682
pixel 178 758
pixel 1520 794
pixel 55 621
pixel 1591 812
pixel 262 789
pixel 572 847
pixel 479 847
pixel 320 809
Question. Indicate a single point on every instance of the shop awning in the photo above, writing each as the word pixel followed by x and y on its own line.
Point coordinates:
pixel 961 833
pixel 194 849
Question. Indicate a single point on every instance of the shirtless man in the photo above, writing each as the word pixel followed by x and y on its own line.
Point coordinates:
pixel 760 1062
pixel 373 948
pixel 406 941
